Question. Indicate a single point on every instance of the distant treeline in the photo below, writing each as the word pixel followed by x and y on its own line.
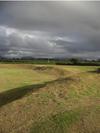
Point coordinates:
pixel 71 61
pixel 81 62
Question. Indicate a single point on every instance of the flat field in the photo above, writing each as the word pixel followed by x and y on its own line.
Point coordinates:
pixel 49 99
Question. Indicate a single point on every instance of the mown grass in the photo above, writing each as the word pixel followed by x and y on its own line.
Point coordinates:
pixel 57 99
pixel 14 77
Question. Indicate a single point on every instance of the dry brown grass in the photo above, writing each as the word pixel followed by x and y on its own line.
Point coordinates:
pixel 74 91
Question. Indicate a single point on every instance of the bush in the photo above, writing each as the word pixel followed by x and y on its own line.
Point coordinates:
pixel 98 70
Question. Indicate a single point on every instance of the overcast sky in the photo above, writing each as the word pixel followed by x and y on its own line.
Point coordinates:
pixel 50 29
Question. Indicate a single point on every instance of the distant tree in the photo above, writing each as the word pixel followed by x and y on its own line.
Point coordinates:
pixel 98 60
pixel 74 61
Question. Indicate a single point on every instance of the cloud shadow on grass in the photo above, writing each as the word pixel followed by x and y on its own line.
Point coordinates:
pixel 17 93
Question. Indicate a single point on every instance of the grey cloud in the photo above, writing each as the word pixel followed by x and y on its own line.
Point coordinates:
pixel 50 29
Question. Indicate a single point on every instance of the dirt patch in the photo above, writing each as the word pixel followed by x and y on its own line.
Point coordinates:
pixel 42 68
pixel 50 70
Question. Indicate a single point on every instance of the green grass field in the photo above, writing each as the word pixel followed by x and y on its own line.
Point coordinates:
pixel 49 99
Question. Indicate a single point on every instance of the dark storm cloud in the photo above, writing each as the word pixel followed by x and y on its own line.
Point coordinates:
pixel 50 29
